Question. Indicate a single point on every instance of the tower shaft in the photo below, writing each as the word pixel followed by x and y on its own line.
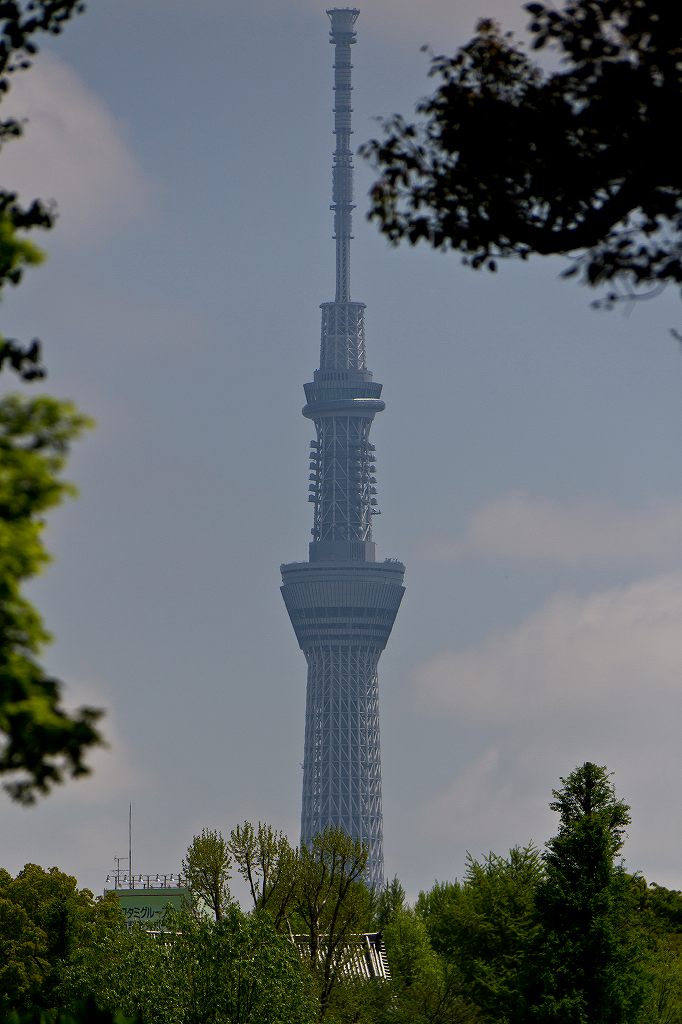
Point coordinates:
pixel 342 602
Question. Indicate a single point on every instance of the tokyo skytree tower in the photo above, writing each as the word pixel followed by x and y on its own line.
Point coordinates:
pixel 342 602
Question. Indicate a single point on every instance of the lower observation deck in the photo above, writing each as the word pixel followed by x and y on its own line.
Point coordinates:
pixel 350 602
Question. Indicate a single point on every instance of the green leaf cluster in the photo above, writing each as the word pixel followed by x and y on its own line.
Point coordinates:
pixel 587 967
pixel 316 892
pixel 207 869
pixel 82 1013
pixel 44 919
pixel 509 157
pixel 485 925
pixel 564 936
pixel 40 743
pixel 238 969
pixel 21 23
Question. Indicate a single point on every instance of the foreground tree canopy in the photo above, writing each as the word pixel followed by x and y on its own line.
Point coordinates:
pixel 44 921
pixel 588 957
pixel 22 22
pixel 564 936
pixel 510 159
pixel 40 743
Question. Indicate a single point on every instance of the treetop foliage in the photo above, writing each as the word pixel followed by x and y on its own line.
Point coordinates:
pixel 268 864
pixel 588 955
pixel 44 919
pixel 509 158
pixel 485 926
pixel 315 891
pixel 588 795
pixel 520 939
pixel 40 742
pixel 207 867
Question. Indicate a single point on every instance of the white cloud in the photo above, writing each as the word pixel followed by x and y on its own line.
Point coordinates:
pixel 584 678
pixel 525 526
pixel 72 151
pixel 574 656
pixel 114 770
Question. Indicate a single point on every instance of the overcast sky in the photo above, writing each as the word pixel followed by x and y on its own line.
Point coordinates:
pixel 528 459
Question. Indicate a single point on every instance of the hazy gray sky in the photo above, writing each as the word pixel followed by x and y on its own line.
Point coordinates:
pixel 528 459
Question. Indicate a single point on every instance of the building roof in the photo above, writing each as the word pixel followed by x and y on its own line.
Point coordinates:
pixel 362 955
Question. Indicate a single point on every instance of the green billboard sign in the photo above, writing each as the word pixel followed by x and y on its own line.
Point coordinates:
pixel 147 906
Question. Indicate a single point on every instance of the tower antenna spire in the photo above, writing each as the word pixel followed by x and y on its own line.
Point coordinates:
pixel 342 602
pixel 342 36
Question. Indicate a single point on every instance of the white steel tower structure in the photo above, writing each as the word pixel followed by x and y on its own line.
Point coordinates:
pixel 342 602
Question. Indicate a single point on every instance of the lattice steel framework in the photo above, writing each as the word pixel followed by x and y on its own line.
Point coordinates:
pixel 342 602
pixel 342 734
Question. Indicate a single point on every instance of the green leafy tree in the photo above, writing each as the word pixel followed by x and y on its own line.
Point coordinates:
pixel 243 971
pixel 588 966
pixel 661 923
pixel 16 253
pixel 23 962
pixel 662 1003
pixel 509 159
pixel 40 742
pixel 425 988
pixel 83 1013
pixel 485 926
pixel 331 903
pixel 411 956
pixel 124 971
pixel 238 970
pixel 44 920
pixel 22 22
pixel 268 863
pixel 390 902
pixel 207 867
pixel 495 926
pixel 662 913
pixel 436 907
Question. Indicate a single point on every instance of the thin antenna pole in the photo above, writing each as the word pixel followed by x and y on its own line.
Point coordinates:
pixel 342 36
pixel 130 843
